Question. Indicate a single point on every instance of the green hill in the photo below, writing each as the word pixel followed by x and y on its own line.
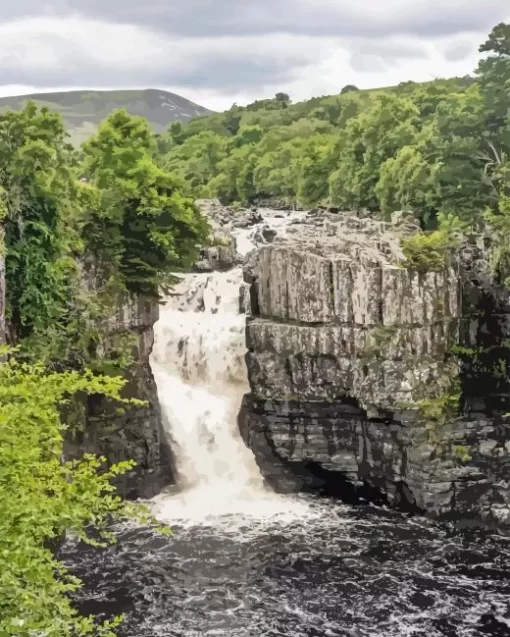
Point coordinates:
pixel 415 145
pixel 83 110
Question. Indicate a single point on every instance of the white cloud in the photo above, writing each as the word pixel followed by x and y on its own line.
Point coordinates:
pixel 72 52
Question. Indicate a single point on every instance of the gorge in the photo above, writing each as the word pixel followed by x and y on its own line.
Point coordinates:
pixel 245 561
pixel 255 363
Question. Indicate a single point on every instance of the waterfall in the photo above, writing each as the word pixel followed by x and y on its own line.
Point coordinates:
pixel 198 364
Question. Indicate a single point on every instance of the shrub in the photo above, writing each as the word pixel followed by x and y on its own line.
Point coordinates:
pixel 44 497
pixel 426 251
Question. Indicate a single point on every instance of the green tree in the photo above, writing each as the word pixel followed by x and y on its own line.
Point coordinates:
pixel 493 75
pixel 433 146
pixel 406 181
pixel 142 226
pixel 234 176
pixel 283 98
pixel 374 136
pixel 177 134
pixel 317 164
pixel 248 135
pixel 232 119
pixel 42 203
pixel 349 88
pixel 499 222
pixel 451 141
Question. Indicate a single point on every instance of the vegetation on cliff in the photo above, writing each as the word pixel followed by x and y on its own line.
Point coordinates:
pixel 441 146
pixel 72 249
pixel 124 229
pixel 43 498
pixel 139 223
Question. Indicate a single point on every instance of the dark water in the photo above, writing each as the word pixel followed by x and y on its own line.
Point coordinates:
pixel 340 572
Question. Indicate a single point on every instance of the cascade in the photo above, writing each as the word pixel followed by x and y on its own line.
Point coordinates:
pixel 245 562
pixel 198 364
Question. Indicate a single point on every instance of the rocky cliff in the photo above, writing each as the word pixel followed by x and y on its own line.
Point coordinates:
pixel 135 432
pixel 369 378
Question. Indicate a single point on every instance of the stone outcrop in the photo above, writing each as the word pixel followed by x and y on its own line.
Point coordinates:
pixel 362 373
pixel 135 432
pixel 220 254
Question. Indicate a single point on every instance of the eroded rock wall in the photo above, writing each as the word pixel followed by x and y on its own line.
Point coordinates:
pixel 354 377
pixel 135 432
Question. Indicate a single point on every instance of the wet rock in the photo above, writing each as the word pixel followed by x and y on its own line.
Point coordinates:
pixel 218 258
pixel 265 234
pixel 221 252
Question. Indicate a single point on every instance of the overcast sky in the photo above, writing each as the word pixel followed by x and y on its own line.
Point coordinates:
pixel 216 52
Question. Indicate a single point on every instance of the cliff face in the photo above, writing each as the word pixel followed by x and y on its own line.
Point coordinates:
pixel 136 433
pixel 356 366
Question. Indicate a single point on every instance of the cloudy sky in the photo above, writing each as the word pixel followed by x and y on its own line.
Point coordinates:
pixel 216 52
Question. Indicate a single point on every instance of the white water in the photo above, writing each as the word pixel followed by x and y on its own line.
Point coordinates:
pixel 198 364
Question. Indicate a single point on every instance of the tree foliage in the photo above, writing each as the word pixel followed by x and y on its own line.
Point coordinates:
pixel 141 224
pixel 73 248
pixel 39 191
pixel 433 147
pixel 44 497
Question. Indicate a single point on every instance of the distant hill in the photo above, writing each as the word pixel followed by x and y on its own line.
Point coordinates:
pixel 83 110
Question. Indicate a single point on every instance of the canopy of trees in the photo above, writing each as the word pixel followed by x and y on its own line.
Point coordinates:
pixel 129 219
pixel 432 147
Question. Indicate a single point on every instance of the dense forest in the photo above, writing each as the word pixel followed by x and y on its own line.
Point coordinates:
pixel 82 227
pixel 435 147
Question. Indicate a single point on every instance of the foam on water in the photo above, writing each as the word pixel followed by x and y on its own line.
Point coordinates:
pixel 345 573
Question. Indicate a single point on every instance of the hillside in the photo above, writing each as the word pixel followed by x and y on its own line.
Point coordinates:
pixel 83 110
pixel 414 145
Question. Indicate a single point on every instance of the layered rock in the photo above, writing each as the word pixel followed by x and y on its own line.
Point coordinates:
pixel 134 432
pixel 353 376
